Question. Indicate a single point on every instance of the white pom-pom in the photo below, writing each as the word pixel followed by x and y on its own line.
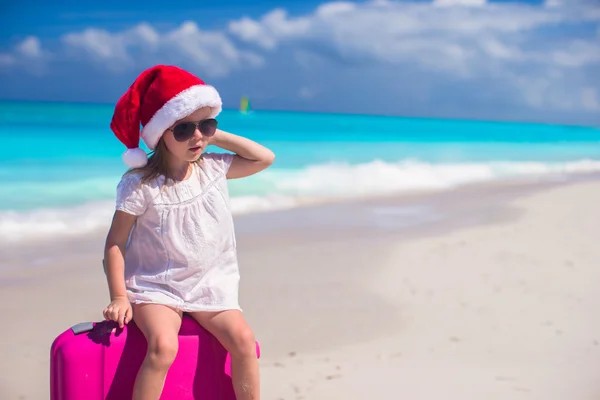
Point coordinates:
pixel 135 158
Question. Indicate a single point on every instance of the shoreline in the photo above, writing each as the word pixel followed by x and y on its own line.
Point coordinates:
pixel 309 224
pixel 501 288
pixel 248 222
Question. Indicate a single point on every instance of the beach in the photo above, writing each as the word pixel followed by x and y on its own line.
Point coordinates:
pixel 427 229
pixel 493 298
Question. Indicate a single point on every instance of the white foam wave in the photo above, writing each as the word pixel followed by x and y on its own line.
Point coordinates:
pixel 48 222
pixel 248 204
pixel 379 177
pixel 89 217
pixel 290 188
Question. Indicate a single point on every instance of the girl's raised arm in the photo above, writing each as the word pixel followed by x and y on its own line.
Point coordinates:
pixel 250 157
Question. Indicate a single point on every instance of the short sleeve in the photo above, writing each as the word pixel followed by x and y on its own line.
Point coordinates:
pixel 130 195
pixel 218 163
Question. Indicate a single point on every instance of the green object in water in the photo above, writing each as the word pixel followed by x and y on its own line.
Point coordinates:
pixel 244 104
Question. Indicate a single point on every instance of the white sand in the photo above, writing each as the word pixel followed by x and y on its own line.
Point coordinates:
pixel 507 311
pixel 502 310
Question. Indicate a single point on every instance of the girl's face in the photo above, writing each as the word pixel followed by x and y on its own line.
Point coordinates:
pixel 181 145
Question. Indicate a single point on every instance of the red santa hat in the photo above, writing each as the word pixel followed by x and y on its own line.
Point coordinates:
pixel 159 97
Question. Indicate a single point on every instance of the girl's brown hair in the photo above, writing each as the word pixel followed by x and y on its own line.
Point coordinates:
pixel 157 164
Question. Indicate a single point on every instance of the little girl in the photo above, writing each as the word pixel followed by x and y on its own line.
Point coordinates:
pixel 171 247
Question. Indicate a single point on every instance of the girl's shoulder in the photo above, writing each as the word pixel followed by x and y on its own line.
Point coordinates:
pixel 216 165
pixel 132 196
pixel 132 175
pixel 131 179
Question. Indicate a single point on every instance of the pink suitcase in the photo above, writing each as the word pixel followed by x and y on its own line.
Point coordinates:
pixel 99 361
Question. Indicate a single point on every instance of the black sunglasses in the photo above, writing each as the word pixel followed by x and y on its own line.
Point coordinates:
pixel 185 130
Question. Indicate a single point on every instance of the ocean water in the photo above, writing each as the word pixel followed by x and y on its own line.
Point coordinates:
pixel 60 162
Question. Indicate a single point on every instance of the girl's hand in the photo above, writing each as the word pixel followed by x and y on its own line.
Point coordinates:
pixel 249 156
pixel 119 310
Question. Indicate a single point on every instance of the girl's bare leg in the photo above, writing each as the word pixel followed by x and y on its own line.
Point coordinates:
pixel 230 328
pixel 160 325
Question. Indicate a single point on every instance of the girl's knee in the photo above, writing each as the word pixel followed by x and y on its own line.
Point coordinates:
pixel 162 350
pixel 244 343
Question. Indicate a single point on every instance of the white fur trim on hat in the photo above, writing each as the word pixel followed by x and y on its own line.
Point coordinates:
pixel 135 158
pixel 180 106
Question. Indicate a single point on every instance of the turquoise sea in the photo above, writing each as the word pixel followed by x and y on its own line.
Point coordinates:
pixel 60 162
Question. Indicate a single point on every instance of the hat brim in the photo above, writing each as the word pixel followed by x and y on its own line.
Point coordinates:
pixel 179 107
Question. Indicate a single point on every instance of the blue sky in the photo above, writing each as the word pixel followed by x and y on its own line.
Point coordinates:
pixel 500 60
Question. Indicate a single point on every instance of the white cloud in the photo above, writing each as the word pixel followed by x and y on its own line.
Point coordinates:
pixel 468 3
pixel 27 54
pixel 30 47
pixel 273 27
pixel 576 53
pixel 401 32
pixel 468 39
pixel 536 90
pixel 570 3
pixel 589 99
pixel 100 45
pixel 112 50
pixel 523 54
pixel 212 51
pixel 307 93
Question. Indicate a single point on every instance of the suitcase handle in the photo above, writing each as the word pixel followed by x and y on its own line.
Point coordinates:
pixel 82 327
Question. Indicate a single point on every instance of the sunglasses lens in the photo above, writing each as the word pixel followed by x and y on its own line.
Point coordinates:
pixel 184 131
pixel 208 127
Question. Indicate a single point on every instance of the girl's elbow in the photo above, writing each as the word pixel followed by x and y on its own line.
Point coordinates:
pixel 269 158
pixel 112 247
pixel 115 243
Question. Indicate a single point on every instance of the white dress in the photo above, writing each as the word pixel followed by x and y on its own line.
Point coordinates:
pixel 182 249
